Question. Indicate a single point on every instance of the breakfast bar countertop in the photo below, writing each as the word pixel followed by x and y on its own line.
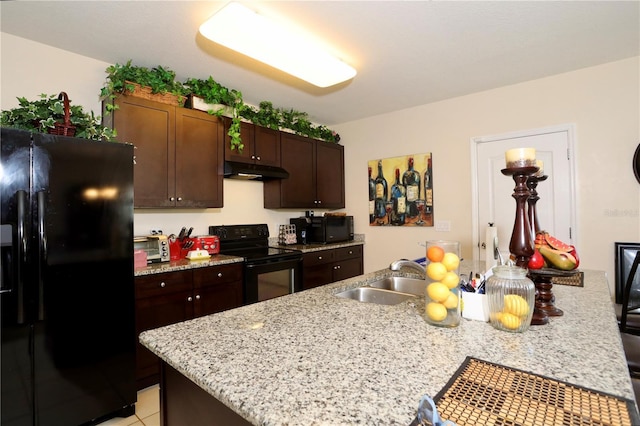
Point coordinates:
pixel 314 358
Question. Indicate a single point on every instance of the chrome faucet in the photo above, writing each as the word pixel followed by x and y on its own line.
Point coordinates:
pixel 404 263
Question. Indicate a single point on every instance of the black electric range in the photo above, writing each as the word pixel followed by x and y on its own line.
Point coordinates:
pixel 268 271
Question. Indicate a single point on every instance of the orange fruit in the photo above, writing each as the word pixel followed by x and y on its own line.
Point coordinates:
pixel 435 254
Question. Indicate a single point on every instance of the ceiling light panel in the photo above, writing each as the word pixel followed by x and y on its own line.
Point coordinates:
pixel 243 30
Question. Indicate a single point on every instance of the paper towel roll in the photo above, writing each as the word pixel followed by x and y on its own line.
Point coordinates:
pixel 491 242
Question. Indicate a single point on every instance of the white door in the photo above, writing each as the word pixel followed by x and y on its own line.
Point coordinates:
pixel 492 197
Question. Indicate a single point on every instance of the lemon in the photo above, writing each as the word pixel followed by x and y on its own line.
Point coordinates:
pixel 516 305
pixel 452 301
pixel 438 292
pixel 451 261
pixel 451 280
pixel 510 321
pixel 436 311
pixel 436 271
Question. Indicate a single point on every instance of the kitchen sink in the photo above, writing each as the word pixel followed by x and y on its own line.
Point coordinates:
pixel 401 284
pixel 375 295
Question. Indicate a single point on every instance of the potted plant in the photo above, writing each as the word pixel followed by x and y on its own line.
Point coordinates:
pixel 158 83
pixel 43 114
pixel 211 96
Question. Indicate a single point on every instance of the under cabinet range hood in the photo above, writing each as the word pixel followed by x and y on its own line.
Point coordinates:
pixel 246 171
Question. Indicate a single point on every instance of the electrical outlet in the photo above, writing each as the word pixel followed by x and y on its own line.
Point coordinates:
pixel 443 225
pixel 156 231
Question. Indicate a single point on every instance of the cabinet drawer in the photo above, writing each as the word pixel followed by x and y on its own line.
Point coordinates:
pixel 159 284
pixel 318 257
pixel 217 274
pixel 348 252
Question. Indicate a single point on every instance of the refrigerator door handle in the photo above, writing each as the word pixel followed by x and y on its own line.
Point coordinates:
pixel 21 199
pixel 42 249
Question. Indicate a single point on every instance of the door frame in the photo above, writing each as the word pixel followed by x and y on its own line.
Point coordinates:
pixel 570 129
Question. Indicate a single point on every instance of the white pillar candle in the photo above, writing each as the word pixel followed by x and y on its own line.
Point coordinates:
pixel 540 165
pixel 520 157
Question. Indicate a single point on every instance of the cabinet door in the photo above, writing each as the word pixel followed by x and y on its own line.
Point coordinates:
pixel 267 146
pixel 346 269
pixel 199 159
pixel 247 134
pixel 154 312
pixel 318 275
pixel 217 289
pixel 299 189
pixel 329 175
pixel 150 127
pixel 317 268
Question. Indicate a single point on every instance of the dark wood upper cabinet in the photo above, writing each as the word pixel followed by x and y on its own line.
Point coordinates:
pixel 261 145
pixel 316 175
pixel 178 155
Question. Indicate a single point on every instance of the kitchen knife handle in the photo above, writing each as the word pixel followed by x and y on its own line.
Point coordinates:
pixel 42 250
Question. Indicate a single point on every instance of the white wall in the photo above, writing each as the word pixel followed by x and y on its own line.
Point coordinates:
pixel 602 102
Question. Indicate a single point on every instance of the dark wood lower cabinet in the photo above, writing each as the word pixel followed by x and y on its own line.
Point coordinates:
pixel 171 297
pixel 327 266
pixel 183 403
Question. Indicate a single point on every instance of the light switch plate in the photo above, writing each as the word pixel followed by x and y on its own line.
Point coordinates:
pixel 443 225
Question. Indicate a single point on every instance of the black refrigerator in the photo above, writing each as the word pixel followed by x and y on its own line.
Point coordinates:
pixel 67 292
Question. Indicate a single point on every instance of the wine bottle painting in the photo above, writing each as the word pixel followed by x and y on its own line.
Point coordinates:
pixel 401 191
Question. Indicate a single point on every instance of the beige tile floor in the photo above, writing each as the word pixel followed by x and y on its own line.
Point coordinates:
pixel 147 410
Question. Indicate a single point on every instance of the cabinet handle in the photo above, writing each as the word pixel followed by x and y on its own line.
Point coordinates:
pixel 253 157
pixel 162 284
pixel 179 198
pixel 350 251
pixel 189 299
pixel 336 267
pixel 197 297
pixel 258 158
pixel 319 257
pixel 172 199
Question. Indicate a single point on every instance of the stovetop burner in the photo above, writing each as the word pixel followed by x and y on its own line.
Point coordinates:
pixel 250 242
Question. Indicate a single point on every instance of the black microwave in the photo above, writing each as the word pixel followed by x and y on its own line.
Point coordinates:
pixel 330 229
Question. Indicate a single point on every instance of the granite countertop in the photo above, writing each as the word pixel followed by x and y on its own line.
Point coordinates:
pixel 220 259
pixel 312 358
pixel 184 264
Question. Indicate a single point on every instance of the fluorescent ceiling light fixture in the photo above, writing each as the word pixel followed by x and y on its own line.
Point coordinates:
pixel 254 35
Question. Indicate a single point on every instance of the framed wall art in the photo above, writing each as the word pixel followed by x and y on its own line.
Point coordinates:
pixel 401 191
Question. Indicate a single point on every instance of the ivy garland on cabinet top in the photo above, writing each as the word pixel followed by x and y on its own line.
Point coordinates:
pixel 42 115
pixel 162 80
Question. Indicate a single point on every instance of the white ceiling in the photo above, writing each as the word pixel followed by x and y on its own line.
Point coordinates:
pixel 407 53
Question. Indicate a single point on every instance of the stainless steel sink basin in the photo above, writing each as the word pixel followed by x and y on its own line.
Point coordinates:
pixel 401 284
pixel 375 295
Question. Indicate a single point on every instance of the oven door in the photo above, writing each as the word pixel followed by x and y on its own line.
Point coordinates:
pixel 265 280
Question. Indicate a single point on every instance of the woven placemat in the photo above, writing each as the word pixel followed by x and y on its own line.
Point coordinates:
pixel 483 393
pixel 576 280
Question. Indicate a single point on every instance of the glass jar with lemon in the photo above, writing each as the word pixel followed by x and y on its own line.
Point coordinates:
pixel 442 301
pixel 511 298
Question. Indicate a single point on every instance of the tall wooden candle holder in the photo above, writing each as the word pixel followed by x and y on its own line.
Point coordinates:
pixel 542 279
pixel 532 184
pixel 522 241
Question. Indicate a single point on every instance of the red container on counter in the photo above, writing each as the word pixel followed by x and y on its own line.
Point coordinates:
pixel 210 243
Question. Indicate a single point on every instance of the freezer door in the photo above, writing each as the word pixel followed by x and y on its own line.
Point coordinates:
pixel 84 342
pixel 16 393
